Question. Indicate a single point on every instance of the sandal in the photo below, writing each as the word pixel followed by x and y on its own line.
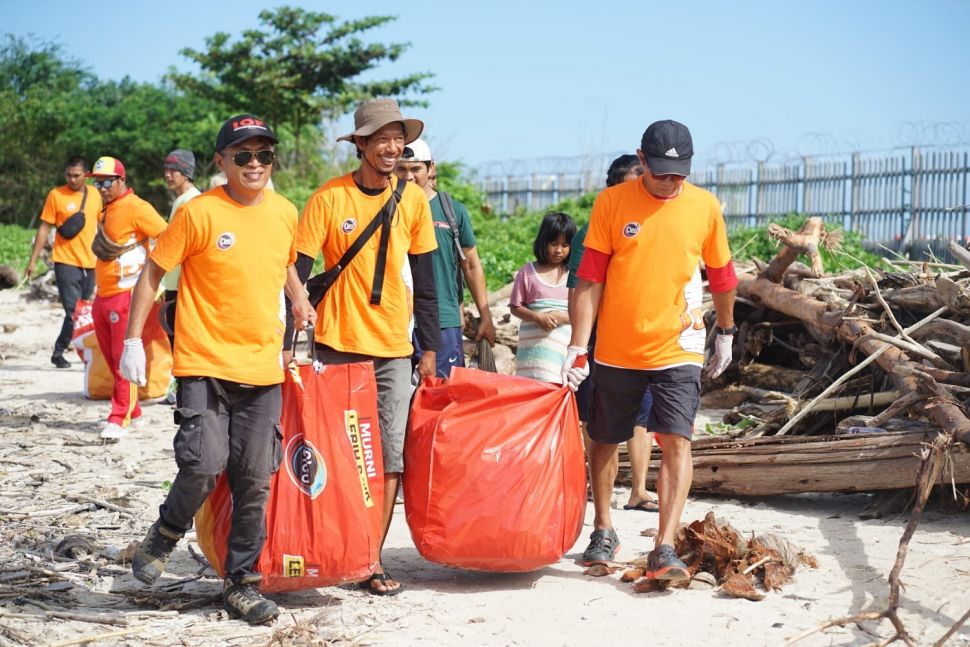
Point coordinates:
pixel 382 578
pixel 646 505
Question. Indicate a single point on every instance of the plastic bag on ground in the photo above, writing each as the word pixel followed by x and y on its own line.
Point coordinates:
pixel 495 477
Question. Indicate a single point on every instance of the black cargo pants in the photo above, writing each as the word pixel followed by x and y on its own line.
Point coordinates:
pixel 233 427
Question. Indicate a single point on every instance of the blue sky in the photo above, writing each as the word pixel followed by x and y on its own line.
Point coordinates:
pixel 546 79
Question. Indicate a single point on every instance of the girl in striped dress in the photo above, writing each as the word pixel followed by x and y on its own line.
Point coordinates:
pixel 540 299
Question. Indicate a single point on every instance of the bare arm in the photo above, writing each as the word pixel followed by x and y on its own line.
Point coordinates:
pixel 724 307
pixel 471 267
pixel 584 306
pixel 303 312
pixel 43 232
pixel 142 298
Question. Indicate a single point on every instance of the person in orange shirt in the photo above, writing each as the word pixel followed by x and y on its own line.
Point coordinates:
pixel 366 314
pixel 637 281
pixel 236 244
pixel 72 255
pixel 127 226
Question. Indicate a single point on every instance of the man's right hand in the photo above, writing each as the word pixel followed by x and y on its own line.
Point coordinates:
pixel 576 368
pixel 132 364
pixel 29 270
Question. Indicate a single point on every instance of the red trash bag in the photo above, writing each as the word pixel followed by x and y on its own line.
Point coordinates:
pixel 323 517
pixel 495 478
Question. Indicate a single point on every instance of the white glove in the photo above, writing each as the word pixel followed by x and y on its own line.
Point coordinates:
pixel 132 366
pixel 721 357
pixel 576 368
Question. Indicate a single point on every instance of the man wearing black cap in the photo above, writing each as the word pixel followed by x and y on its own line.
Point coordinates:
pixel 637 282
pixel 237 246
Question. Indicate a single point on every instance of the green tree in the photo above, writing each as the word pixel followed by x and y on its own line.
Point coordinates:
pixel 301 69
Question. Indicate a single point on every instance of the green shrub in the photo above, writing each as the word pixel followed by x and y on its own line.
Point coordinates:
pixel 15 246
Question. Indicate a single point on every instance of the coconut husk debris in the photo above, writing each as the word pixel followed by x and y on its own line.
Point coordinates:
pixel 718 556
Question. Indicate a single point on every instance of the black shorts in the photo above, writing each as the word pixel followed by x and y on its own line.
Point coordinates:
pixel 617 393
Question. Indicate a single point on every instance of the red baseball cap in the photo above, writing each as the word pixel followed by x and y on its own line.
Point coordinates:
pixel 108 167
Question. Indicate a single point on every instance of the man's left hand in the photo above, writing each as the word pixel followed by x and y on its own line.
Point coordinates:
pixel 427 365
pixel 720 359
pixel 486 329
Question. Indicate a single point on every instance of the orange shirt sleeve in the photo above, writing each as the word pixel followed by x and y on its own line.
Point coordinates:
pixel 148 222
pixel 176 243
pixel 598 236
pixel 716 252
pixel 311 232
pixel 49 214
pixel 293 223
pixel 422 230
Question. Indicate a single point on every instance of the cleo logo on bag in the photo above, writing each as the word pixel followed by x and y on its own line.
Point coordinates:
pixel 361 442
pixel 305 466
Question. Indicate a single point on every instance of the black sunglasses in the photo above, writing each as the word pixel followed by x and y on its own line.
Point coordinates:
pixel 242 158
pixel 105 184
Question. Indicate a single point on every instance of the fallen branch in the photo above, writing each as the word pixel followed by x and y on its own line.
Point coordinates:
pixel 88 639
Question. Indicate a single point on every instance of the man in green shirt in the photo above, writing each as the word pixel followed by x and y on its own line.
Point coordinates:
pixel 456 261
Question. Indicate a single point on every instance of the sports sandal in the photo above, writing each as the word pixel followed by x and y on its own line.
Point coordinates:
pixel 663 564
pixel 382 578
pixel 603 547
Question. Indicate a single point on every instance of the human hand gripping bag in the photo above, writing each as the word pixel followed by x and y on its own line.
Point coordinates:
pixel 495 478
pixel 323 517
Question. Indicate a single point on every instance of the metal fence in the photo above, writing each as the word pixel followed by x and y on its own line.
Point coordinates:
pixel 912 203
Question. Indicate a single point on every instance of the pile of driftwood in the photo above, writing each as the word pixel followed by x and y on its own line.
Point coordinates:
pixel 838 381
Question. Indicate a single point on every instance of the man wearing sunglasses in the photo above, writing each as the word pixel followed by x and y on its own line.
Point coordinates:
pixel 72 256
pixel 237 245
pixel 637 281
pixel 129 224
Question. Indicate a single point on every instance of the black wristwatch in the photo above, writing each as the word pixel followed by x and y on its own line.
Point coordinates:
pixel 733 330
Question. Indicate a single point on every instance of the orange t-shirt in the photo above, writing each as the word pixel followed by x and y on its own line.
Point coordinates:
pixel 126 220
pixel 62 203
pixel 651 290
pixel 230 320
pixel 332 219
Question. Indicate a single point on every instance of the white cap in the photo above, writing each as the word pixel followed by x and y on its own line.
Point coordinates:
pixel 417 151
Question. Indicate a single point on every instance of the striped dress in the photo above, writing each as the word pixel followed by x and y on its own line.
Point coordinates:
pixel 541 352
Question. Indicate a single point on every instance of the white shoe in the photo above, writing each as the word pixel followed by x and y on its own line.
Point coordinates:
pixel 114 431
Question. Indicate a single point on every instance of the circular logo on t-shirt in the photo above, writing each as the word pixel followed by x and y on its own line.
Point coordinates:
pixel 226 240
pixel 631 229
pixel 348 225
pixel 71 206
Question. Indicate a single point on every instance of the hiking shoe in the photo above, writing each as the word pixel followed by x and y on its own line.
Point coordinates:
pixel 245 601
pixel 663 564
pixel 149 560
pixel 59 361
pixel 114 431
pixel 603 547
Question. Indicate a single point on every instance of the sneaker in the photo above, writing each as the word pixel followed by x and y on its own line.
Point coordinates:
pixel 663 564
pixel 114 431
pixel 58 361
pixel 149 560
pixel 603 547
pixel 244 601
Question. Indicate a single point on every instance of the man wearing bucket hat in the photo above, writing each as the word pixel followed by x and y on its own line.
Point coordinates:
pixel 456 261
pixel 236 246
pixel 73 209
pixel 121 243
pixel 659 227
pixel 365 314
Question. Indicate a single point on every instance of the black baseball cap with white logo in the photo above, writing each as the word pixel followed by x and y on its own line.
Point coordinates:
pixel 668 147
pixel 240 128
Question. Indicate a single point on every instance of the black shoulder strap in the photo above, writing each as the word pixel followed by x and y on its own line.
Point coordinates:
pixel 449 210
pixel 318 285
pixel 84 198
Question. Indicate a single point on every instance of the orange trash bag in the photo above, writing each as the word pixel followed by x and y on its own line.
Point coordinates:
pixel 495 478
pixel 323 517
pixel 98 377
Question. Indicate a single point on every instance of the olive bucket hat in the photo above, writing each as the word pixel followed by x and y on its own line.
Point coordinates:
pixel 374 114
